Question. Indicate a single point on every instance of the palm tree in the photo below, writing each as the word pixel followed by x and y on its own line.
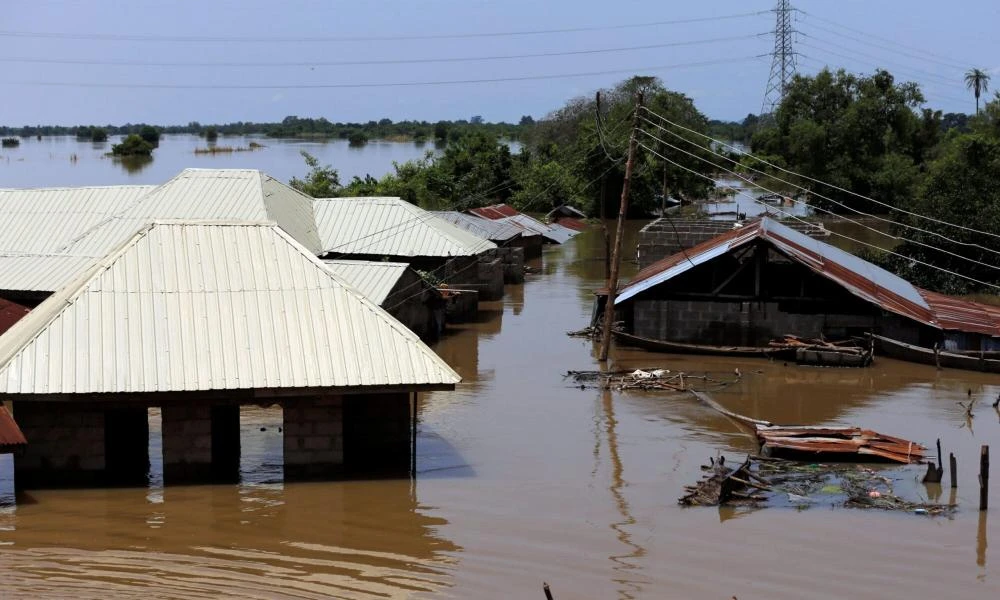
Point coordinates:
pixel 978 81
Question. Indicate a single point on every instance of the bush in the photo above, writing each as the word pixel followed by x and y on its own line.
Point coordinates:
pixel 133 145
pixel 357 139
pixel 11 142
pixel 150 134
pixel 211 134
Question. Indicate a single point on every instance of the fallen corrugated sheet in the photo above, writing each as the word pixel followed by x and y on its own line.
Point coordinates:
pixel 374 279
pixel 11 437
pixel 189 306
pixel 496 231
pixel 378 226
pixel 93 221
pixel 861 278
pixel 820 441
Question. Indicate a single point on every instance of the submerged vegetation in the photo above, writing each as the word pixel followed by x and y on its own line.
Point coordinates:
pixel 133 145
pixel 10 142
pixel 228 149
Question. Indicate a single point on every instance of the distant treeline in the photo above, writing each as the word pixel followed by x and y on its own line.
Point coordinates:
pixel 293 126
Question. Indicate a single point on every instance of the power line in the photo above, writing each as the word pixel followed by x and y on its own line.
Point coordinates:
pixel 117 37
pixel 758 201
pixel 370 62
pixel 927 74
pixel 169 86
pixel 830 185
pixel 926 90
pixel 830 212
pixel 928 56
pixel 836 202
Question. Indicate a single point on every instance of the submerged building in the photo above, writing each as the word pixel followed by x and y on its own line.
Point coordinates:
pixel 398 289
pixel 763 280
pixel 386 228
pixel 197 319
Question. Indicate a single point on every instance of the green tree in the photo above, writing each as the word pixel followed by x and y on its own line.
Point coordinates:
pixel 150 134
pixel 133 145
pixel 978 81
pixel 859 133
pixel 321 181
pixel 98 134
pixel 211 134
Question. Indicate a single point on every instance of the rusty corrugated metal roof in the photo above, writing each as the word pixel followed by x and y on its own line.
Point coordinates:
pixel 10 313
pixel 861 278
pixel 10 434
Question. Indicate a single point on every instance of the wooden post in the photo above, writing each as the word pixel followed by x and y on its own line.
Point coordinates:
pixel 937 359
pixel 548 592
pixel 953 465
pixel 984 477
pixel 609 308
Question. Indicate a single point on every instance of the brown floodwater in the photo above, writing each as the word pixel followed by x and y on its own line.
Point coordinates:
pixel 524 478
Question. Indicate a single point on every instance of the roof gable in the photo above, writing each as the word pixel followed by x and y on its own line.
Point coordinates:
pixel 210 306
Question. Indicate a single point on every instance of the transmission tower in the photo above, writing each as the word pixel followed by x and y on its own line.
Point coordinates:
pixel 782 59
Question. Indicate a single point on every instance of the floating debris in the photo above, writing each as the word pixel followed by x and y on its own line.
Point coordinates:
pixel 649 379
pixel 767 482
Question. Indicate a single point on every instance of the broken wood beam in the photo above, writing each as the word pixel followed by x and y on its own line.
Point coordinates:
pixel 984 477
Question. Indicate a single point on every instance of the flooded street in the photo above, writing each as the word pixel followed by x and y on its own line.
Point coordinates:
pixel 523 478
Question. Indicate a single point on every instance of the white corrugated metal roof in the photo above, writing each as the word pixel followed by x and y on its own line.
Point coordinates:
pixel 480 227
pixel 552 232
pixel 374 279
pixel 227 194
pixel 390 227
pixel 220 194
pixel 40 220
pixel 210 306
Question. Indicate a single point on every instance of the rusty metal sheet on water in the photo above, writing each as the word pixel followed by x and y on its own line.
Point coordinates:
pixel 839 440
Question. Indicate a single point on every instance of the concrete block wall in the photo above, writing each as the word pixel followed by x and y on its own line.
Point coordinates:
pixel 313 437
pixel 65 445
pixel 512 259
pixel 732 323
pixel 187 442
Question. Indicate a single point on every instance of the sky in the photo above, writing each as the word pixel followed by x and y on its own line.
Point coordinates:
pixel 716 52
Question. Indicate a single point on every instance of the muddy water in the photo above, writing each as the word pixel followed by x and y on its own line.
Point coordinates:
pixel 523 478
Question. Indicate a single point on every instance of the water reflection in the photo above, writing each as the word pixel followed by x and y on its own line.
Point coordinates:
pixel 625 564
pixel 359 539
pixel 133 164
pixel 981 540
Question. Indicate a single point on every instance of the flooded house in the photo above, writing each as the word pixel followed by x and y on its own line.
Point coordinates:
pixel 398 289
pixel 552 233
pixel 391 229
pixel 568 216
pixel 196 320
pixel 507 236
pixel 761 281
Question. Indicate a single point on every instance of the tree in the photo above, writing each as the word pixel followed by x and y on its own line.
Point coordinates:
pixel 320 182
pixel 98 134
pixel 526 121
pixel 133 145
pixel 978 81
pixel 859 133
pixel 150 134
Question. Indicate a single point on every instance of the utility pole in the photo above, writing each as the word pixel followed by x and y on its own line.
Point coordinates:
pixel 782 58
pixel 609 307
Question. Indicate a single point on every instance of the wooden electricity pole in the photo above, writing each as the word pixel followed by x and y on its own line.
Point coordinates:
pixel 609 307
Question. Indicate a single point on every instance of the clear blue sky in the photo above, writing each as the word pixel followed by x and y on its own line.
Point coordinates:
pixel 928 42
